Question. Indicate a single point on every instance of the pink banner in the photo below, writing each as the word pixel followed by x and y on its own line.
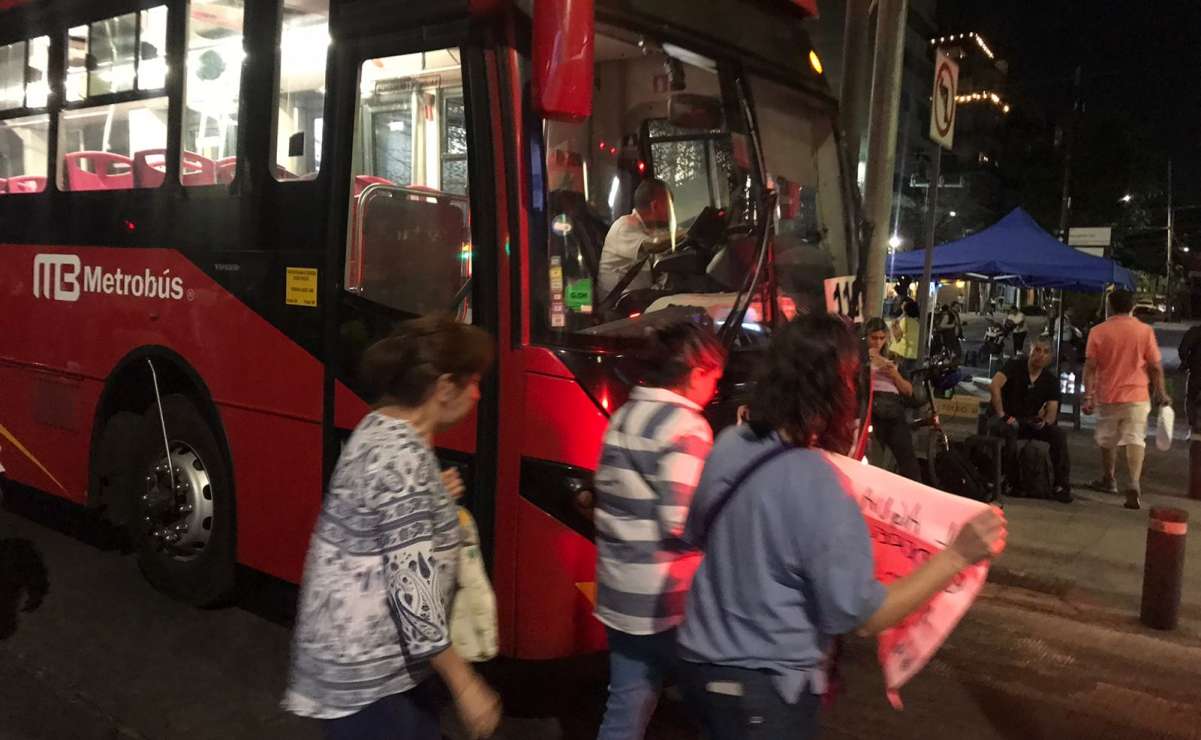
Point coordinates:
pixel 909 522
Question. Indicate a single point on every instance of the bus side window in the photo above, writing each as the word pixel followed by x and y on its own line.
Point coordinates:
pixel 212 90
pixel 24 139
pixel 117 146
pixel 410 233
pixel 300 101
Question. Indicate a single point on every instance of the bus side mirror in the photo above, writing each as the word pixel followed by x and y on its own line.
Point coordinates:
pixel 564 47
pixel 688 110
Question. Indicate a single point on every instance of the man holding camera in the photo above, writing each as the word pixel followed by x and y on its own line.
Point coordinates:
pixel 1025 397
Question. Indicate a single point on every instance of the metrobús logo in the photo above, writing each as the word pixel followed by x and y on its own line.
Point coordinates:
pixel 64 277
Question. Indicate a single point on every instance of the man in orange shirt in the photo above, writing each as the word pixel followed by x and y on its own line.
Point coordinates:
pixel 1122 360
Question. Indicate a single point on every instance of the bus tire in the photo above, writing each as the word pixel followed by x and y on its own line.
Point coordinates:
pixel 184 529
pixel 113 466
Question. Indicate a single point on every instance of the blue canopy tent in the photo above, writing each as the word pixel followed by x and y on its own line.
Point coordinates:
pixel 1017 251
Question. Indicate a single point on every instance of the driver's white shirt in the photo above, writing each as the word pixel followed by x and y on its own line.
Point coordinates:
pixel 620 252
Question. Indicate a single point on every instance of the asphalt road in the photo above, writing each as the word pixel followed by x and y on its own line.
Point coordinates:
pixel 105 657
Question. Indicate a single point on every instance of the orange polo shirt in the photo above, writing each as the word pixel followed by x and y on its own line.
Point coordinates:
pixel 1123 348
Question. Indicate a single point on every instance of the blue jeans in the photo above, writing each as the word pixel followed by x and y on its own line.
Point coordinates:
pixel 637 667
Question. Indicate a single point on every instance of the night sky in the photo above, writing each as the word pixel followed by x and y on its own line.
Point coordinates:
pixel 1142 67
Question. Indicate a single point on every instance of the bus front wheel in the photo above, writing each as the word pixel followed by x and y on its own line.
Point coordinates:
pixel 184 527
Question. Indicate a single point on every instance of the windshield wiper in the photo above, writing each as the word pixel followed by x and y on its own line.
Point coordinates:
pixel 733 324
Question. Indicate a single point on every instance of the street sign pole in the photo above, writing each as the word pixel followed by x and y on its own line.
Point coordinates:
pixel 942 133
pixel 923 294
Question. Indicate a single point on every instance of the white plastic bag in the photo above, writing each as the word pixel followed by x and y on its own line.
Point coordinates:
pixel 1163 427
pixel 473 616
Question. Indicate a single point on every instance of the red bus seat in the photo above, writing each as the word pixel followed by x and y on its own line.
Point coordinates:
pixel 26 184
pixel 227 168
pixel 109 171
pixel 150 169
pixel 362 181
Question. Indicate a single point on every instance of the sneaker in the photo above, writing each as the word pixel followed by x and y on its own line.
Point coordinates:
pixel 1132 499
pixel 1104 485
pixel 1063 494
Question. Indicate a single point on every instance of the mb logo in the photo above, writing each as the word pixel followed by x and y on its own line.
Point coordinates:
pixel 56 276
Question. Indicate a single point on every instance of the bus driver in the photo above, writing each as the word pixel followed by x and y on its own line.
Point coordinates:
pixel 637 235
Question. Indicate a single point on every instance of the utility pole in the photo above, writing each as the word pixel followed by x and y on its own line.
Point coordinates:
pixel 1069 139
pixel 882 143
pixel 856 61
pixel 1168 260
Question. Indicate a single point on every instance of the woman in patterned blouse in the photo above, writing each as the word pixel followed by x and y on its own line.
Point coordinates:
pixel 372 626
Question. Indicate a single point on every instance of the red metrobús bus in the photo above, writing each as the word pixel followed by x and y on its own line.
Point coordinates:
pixel 210 208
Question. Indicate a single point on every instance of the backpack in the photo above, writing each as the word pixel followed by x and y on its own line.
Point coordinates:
pixel 987 456
pixel 1035 477
pixel 957 473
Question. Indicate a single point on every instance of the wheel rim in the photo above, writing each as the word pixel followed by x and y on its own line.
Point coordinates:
pixel 178 504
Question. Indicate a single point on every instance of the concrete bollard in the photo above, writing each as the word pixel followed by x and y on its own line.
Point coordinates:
pixel 1163 569
pixel 1194 469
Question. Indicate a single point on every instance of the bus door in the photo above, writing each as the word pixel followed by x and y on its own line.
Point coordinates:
pixel 413 243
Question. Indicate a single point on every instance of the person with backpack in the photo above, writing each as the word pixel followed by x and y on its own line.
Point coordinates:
pixel 1025 399
pixel 788 561
pixel 651 458
pixel 890 421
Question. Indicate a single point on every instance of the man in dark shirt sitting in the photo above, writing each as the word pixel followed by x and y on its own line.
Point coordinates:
pixel 1025 397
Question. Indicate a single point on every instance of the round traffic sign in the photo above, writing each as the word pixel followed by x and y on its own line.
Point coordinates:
pixel 944 98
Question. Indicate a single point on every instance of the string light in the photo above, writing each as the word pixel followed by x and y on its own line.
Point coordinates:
pixel 969 36
pixel 983 46
pixel 984 96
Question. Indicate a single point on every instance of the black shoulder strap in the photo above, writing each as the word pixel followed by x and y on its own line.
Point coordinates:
pixel 720 503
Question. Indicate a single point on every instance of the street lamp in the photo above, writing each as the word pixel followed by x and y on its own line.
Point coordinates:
pixel 894 241
pixel 952 214
pixel 1126 198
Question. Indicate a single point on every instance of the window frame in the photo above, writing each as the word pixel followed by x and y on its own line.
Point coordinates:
pixel 276 40
pixel 48 110
pixel 443 149
pixel 363 139
pixel 172 88
pixel 61 31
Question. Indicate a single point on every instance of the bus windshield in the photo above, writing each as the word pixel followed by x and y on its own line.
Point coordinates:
pixel 812 241
pixel 614 265
pixel 658 112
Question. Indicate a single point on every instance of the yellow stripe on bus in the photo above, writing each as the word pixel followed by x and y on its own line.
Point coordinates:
pixel 589 590
pixel 21 448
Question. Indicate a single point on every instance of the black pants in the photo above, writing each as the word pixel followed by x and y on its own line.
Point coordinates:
pixel 1049 433
pixel 410 715
pixel 741 704
pixel 890 427
pixel 1019 342
pixel 948 341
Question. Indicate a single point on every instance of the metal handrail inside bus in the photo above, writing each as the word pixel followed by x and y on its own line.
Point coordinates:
pixel 355 253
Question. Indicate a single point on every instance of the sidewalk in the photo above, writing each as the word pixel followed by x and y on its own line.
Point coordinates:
pixel 1090 553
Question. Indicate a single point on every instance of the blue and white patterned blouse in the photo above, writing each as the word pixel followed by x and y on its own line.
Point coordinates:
pixel 379 576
